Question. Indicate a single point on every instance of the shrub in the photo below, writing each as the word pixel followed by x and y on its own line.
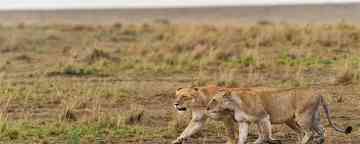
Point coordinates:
pixel 75 71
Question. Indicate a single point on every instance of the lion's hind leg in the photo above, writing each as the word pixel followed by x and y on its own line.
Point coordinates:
pixel 306 125
pixel 303 131
pixel 294 126
pixel 318 128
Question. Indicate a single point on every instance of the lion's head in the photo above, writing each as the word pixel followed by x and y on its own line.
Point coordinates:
pixel 194 97
pixel 184 98
pixel 219 103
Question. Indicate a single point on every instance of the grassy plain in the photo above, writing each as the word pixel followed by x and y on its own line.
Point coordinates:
pixel 115 83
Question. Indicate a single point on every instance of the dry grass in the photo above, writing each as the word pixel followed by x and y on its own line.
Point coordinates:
pixel 115 84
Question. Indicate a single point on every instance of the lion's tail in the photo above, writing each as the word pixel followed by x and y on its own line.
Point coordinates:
pixel 327 113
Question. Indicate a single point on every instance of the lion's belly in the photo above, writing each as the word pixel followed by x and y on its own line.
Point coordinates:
pixel 280 118
pixel 280 108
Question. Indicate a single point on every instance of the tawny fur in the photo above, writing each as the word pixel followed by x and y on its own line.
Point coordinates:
pixel 196 100
pixel 298 108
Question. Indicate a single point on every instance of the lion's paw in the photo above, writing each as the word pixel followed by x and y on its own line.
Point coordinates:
pixel 178 141
pixel 274 141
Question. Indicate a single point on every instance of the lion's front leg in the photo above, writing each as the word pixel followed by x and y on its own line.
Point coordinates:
pixel 230 130
pixel 265 132
pixel 243 132
pixel 260 132
pixel 197 122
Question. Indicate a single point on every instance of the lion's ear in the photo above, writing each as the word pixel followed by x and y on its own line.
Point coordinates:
pixel 178 89
pixel 221 92
pixel 226 93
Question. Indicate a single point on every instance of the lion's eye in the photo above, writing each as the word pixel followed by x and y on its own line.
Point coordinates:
pixel 213 102
pixel 186 97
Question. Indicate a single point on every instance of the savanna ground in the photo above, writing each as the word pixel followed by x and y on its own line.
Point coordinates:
pixel 115 83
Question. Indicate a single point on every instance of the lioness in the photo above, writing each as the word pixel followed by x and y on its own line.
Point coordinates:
pixel 196 100
pixel 297 108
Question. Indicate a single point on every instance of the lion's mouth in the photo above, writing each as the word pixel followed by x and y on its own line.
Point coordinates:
pixel 214 111
pixel 181 108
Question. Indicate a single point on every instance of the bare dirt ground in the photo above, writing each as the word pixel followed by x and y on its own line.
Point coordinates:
pixel 109 76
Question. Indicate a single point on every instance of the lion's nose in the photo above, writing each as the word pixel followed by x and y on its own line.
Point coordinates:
pixel 207 108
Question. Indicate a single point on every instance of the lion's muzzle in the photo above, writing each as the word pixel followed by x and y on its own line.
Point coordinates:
pixel 179 108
